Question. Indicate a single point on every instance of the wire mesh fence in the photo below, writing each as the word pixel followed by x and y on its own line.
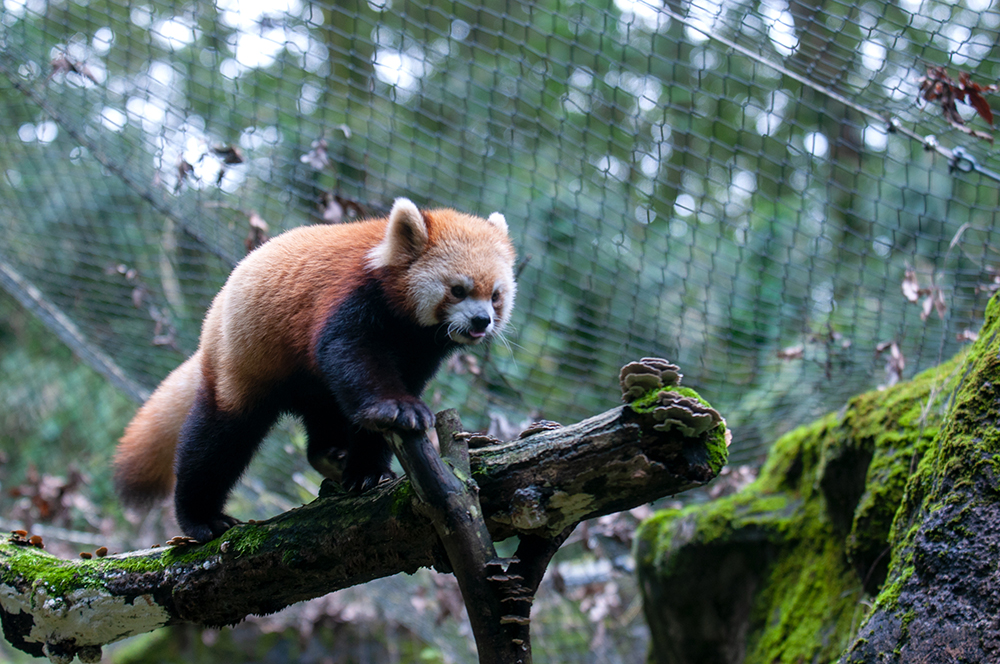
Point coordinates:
pixel 760 191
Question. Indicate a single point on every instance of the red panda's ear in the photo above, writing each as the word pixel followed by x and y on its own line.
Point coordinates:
pixel 498 220
pixel 405 236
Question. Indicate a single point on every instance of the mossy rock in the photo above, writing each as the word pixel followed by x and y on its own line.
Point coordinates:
pixel 941 600
pixel 849 537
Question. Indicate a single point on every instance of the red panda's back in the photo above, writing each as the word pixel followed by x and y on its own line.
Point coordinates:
pixel 262 323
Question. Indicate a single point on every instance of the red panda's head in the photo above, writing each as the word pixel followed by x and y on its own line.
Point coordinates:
pixel 455 269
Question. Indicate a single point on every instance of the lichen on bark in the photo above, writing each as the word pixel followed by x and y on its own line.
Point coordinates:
pixel 859 528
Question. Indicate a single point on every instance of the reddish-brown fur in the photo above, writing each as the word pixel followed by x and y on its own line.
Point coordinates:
pixel 144 460
pixel 263 325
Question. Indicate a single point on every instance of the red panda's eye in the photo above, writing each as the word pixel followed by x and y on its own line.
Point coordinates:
pixel 496 296
pixel 458 292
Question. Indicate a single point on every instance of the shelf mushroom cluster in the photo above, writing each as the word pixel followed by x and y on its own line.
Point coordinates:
pixel 672 411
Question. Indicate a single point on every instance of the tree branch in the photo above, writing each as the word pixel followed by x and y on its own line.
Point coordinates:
pixel 538 486
pixel 454 510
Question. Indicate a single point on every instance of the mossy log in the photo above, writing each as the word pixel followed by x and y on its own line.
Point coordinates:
pixel 869 536
pixel 535 487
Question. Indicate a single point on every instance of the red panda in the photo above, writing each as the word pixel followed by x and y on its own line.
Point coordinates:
pixel 342 325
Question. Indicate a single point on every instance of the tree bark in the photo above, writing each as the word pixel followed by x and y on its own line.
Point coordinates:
pixel 454 510
pixel 537 487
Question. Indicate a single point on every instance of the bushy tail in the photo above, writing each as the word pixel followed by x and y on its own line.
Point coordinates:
pixel 144 460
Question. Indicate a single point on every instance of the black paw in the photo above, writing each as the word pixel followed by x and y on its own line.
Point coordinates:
pixel 330 464
pixel 359 483
pixel 410 414
pixel 206 531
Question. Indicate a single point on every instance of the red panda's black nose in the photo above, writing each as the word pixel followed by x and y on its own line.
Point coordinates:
pixel 479 323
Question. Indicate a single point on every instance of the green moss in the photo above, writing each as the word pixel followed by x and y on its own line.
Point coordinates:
pixel 649 401
pixel 246 539
pixel 715 443
pixel 58 576
pixel 812 537
pixel 956 476
pixel 137 564
pixel 794 619
pixel 191 553
pixel 46 572
pixel 814 526
pixel 403 498
pixel 717 448
pixel 35 566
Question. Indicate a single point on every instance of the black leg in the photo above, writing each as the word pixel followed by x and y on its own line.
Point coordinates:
pixel 338 448
pixel 329 436
pixel 214 450
pixel 368 461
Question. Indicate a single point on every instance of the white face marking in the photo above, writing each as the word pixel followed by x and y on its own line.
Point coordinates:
pixel 471 320
pixel 466 285
pixel 442 298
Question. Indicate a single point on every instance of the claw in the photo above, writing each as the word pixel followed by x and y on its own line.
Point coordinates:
pixel 209 530
pixel 366 482
pixel 410 414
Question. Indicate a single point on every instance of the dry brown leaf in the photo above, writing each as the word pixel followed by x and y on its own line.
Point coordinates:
pixel 938 87
pixel 933 302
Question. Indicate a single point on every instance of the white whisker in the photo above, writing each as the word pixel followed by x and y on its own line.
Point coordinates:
pixel 502 338
pixel 452 329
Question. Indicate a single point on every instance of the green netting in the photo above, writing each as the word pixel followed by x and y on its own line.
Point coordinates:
pixel 741 187
pixel 674 188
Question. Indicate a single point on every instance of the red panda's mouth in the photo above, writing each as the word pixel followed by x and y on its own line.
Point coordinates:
pixel 467 337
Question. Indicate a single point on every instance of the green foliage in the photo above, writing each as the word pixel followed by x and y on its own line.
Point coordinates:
pixel 56 414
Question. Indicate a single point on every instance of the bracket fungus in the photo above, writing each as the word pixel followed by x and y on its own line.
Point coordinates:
pixel 672 410
pixel 685 414
pixel 649 373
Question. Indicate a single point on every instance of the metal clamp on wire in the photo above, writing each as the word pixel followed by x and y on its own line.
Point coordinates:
pixel 961 161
